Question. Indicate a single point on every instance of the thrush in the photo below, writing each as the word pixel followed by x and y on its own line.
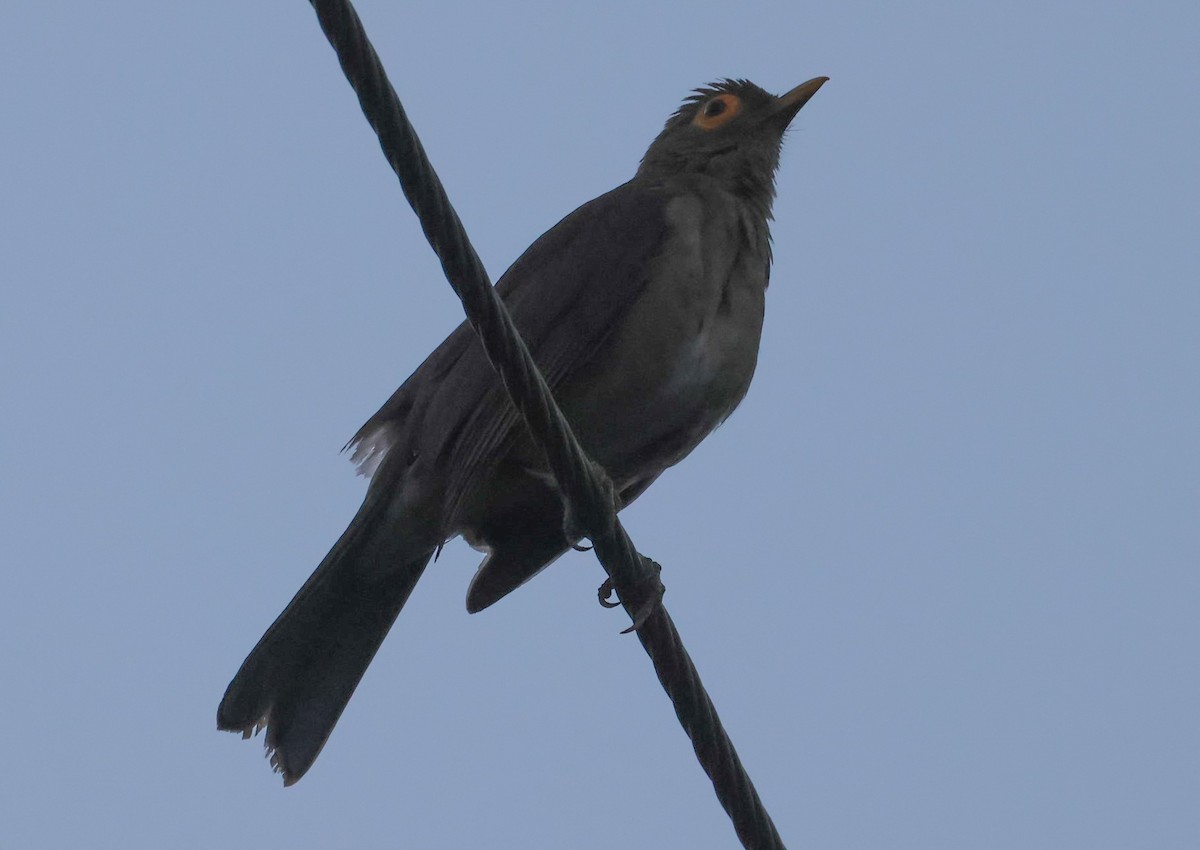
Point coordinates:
pixel 643 309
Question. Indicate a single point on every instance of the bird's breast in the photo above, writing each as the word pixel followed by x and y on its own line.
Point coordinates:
pixel 682 357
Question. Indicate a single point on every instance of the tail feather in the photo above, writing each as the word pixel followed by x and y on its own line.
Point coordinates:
pixel 298 679
pixel 506 569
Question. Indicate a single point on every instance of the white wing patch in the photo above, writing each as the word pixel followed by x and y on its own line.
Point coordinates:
pixel 370 451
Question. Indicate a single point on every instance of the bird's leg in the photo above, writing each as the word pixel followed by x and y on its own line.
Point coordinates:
pixel 574 527
pixel 647 594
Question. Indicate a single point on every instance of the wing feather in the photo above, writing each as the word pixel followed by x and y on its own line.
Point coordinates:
pixel 566 293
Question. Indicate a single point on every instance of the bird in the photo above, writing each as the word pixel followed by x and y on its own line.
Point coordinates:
pixel 643 309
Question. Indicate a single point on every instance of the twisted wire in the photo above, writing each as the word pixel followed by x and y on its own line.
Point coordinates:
pixel 587 491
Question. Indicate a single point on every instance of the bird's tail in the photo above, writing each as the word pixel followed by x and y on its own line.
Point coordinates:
pixel 298 679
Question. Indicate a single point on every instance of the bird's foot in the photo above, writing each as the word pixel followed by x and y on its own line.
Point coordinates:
pixel 645 597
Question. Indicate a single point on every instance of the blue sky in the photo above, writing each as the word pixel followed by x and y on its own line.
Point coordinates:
pixel 938 571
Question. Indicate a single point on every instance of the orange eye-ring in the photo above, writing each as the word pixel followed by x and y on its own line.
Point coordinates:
pixel 718 111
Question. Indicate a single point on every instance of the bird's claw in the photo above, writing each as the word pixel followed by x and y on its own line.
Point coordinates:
pixel 649 593
pixel 606 590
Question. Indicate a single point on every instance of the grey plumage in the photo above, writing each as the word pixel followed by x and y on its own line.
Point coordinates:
pixel 643 309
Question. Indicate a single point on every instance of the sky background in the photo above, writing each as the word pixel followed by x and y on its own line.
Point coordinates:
pixel 939 571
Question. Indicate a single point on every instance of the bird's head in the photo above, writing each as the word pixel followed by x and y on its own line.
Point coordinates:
pixel 732 131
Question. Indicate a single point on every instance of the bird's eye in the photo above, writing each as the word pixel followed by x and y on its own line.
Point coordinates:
pixel 718 111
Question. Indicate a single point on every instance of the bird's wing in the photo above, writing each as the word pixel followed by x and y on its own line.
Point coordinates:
pixel 566 294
